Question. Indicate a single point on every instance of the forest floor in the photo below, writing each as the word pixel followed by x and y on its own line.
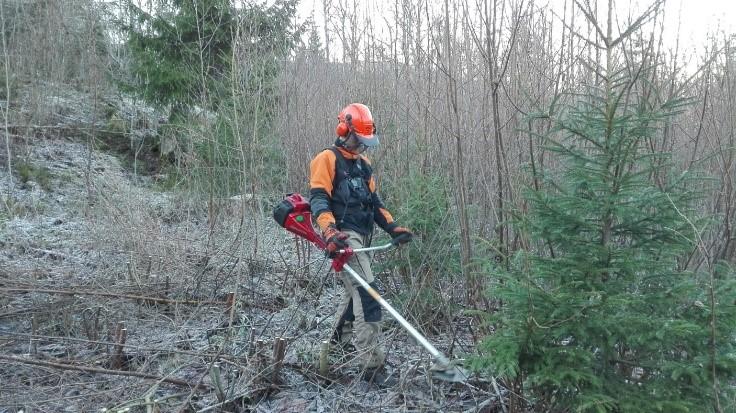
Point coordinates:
pixel 92 256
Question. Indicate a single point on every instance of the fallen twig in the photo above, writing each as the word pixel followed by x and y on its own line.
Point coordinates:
pixel 106 343
pixel 98 370
pixel 103 294
pixel 498 393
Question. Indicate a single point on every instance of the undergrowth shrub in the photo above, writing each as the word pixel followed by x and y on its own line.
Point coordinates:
pixel 431 262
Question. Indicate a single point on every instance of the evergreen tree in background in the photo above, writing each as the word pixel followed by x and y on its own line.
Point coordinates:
pixel 605 316
pixel 180 52
pixel 225 59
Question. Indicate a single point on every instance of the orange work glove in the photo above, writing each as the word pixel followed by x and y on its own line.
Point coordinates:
pixel 336 240
pixel 400 235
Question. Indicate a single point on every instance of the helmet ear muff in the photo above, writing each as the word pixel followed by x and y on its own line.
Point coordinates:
pixel 344 126
pixel 342 129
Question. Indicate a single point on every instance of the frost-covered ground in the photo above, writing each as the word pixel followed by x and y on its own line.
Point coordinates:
pixel 90 246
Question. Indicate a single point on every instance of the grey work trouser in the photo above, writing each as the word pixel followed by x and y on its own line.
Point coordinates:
pixel 358 312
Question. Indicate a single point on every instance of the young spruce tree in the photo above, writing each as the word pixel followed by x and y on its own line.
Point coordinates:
pixel 603 316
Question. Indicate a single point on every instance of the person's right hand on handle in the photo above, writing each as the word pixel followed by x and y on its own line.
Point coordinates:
pixel 336 241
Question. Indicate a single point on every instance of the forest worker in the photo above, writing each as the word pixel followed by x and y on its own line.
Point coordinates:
pixel 345 205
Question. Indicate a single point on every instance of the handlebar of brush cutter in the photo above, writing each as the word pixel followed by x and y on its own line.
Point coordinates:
pixel 393 243
pixel 367 249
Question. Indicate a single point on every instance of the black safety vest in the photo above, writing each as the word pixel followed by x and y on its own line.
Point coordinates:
pixel 352 201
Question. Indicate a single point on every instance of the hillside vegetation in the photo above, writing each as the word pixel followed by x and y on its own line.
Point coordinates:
pixel 569 180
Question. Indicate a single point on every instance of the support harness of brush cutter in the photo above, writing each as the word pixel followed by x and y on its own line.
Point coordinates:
pixel 294 214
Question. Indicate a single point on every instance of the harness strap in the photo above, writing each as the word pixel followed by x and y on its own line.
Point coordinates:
pixel 358 217
pixel 343 164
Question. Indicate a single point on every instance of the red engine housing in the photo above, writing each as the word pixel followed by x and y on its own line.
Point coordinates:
pixel 294 214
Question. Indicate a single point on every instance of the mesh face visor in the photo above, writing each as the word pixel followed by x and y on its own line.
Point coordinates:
pixel 368 141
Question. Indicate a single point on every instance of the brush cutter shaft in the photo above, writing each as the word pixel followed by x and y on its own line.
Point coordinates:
pixel 378 248
pixel 441 358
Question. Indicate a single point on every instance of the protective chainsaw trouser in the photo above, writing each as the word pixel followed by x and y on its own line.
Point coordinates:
pixel 359 314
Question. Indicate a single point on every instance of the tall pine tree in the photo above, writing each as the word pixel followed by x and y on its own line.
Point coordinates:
pixel 603 316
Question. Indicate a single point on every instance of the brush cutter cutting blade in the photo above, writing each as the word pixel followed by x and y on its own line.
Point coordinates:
pixel 449 372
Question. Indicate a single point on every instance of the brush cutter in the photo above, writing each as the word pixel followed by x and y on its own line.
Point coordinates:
pixel 293 214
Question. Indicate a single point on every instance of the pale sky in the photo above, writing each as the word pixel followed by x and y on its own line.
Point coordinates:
pixel 694 18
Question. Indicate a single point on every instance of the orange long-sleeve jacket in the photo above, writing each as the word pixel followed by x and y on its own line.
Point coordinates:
pixel 323 169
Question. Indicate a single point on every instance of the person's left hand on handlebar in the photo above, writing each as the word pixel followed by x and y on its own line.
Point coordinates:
pixel 400 235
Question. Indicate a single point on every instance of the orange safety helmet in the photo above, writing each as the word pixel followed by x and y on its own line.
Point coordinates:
pixel 357 118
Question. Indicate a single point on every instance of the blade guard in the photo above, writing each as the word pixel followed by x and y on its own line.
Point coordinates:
pixel 294 215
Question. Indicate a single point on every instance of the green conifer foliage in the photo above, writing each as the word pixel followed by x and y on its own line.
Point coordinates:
pixel 179 52
pixel 602 316
pixel 215 64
